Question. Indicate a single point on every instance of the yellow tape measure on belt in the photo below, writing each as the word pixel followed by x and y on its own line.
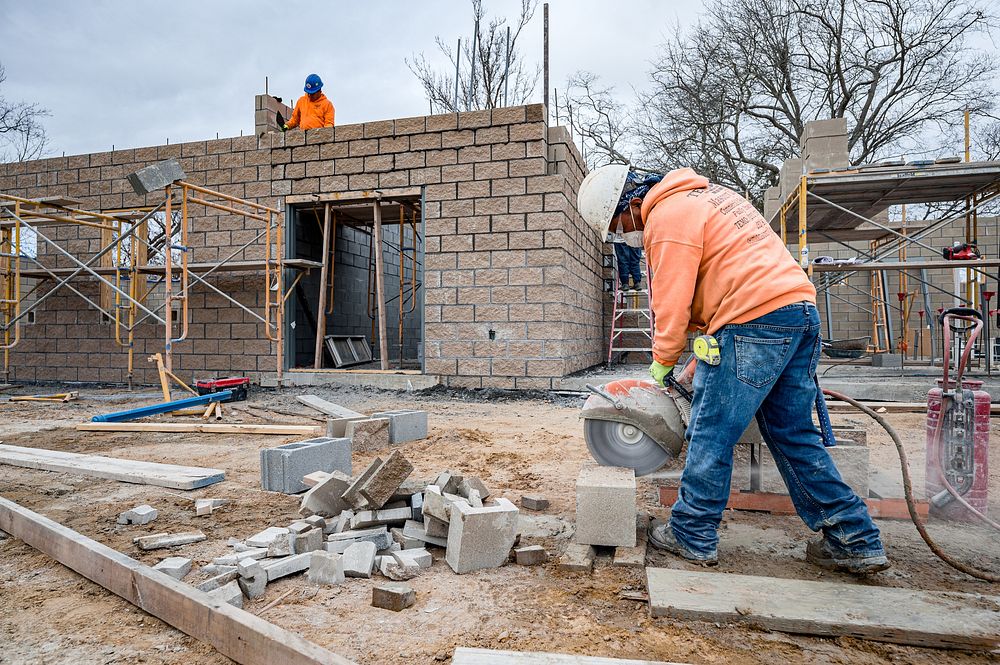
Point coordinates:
pixel 706 348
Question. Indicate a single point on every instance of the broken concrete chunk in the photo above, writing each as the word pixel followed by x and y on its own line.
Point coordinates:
pixel 281 545
pixel 386 480
pixel 379 536
pixel 161 540
pixel 317 522
pixel 326 498
pixel 310 541
pixel 395 597
pixel 252 578
pixel 359 558
pixel 203 507
pixel 475 500
pixel 216 569
pixel 530 555
pixel 409 488
pixel 233 559
pixel 175 566
pixel 438 504
pixel 480 537
pixel 340 523
pixel 419 557
pixel 219 580
pixel 473 483
pixel 577 558
pixel 415 530
pixel 267 536
pixel 449 481
pixel 287 566
pixel 369 518
pixel 300 526
pixel 156 176
pixel 352 496
pixel 534 502
pixel 435 528
pixel 229 593
pixel 143 514
pixel 395 570
pixel 326 568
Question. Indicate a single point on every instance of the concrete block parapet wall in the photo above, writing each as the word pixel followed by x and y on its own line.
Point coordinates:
pixel 511 272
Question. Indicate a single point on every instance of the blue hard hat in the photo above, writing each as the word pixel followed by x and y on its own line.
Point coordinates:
pixel 313 83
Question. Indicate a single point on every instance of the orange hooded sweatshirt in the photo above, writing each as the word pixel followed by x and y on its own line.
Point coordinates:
pixel 310 114
pixel 714 261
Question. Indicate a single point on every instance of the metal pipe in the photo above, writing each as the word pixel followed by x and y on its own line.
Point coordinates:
pixel 545 58
pixel 332 280
pixel 219 206
pixel 183 295
pixel 228 197
pixel 321 306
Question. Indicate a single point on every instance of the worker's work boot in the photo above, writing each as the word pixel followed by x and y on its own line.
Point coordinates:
pixel 662 537
pixel 821 552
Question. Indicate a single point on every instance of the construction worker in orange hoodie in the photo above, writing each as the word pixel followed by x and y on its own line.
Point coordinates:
pixel 719 269
pixel 313 109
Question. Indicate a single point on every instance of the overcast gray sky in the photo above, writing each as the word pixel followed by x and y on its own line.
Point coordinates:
pixel 134 73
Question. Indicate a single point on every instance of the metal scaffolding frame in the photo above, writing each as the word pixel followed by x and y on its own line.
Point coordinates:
pixel 839 205
pixel 123 258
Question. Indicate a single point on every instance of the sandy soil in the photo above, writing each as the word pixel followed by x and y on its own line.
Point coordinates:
pixel 50 615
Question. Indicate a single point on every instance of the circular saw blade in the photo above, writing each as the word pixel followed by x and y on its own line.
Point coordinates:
pixel 620 444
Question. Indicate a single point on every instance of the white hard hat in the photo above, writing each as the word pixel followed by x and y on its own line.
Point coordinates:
pixel 599 195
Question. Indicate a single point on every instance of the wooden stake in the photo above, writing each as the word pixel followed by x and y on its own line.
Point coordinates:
pixel 323 277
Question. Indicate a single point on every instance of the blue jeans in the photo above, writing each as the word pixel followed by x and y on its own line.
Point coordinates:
pixel 629 260
pixel 767 369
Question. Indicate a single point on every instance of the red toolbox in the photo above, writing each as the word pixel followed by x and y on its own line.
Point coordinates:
pixel 240 385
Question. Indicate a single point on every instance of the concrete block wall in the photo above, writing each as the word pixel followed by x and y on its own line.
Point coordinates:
pixel 512 274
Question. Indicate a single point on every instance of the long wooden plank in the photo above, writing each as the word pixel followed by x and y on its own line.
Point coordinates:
pixel 781 504
pixel 203 428
pixel 329 408
pixel 901 616
pixel 110 468
pixel 235 633
pixel 466 656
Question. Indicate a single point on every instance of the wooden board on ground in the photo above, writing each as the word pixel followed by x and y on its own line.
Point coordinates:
pixel 234 632
pixel 781 504
pixel 466 656
pixel 900 616
pixel 202 428
pixel 110 468
pixel 329 408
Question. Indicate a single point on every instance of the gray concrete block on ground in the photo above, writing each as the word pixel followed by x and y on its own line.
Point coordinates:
pixel 219 580
pixel 381 485
pixel 369 518
pixel 156 176
pixel 396 570
pixel 415 530
pixel 378 536
pixel 449 482
pixel 286 566
pixel 175 566
pixel 887 360
pixel 605 506
pixel 282 468
pixel 326 568
pixel 252 578
pixel 577 558
pixel 405 425
pixel 534 502
pixel 435 528
pixel 317 522
pixel 395 597
pixel 229 593
pixel 368 435
pixel 326 499
pixel 417 506
pixel 851 461
pixel 308 541
pixel 359 558
pixel 480 538
pixel 161 540
pixel 471 483
pixel 143 514
pixel 418 556
pixel 530 555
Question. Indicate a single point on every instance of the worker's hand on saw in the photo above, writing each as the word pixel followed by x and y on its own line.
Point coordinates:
pixel 660 372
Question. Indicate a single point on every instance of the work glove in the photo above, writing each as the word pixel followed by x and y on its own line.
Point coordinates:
pixel 284 127
pixel 660 372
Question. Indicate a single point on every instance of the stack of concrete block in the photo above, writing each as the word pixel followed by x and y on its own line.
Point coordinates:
pixel 266 110
pixel 772 203
pixel 824 145
pixel 282 468
pixel 405 425
pixel 791 175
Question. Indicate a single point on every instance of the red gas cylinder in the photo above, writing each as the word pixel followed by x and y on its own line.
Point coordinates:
pixel 958 444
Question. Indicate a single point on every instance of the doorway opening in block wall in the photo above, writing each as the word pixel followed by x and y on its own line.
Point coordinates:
pixel 333 316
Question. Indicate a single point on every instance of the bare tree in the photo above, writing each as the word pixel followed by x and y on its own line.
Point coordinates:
pixel 22 136
pixel 731 95
pixel 599 120
pixel 491 71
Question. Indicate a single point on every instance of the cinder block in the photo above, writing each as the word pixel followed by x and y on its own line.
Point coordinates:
pixel 369 518
pixel 359 558
pixel 175 566
pixel 282 468
pixel 267 536
pixel 577 558
pixel 405 425
pixel 289 565
pixel 381 485
pixel 605 506
pixel 143 514
pixel 229 593
pixel 156 176
pixel 417 556
pixel 481 538
pixel 530 555
pixel 378 536
pixel 308 541
pixel 851 461
pixel 326 568
pixel 534 502
pixel 368 435
pixel 395 597
pixel 327 497
pixel 252 578
pixel 352 495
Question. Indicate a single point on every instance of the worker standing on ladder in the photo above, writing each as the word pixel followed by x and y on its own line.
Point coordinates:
pixel 313 109
pixel 627 238
pixel 717 267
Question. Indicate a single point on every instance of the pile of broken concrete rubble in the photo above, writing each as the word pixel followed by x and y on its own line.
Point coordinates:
pixel 378 522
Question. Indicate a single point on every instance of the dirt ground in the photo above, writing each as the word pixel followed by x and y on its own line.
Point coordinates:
pixel 49 614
